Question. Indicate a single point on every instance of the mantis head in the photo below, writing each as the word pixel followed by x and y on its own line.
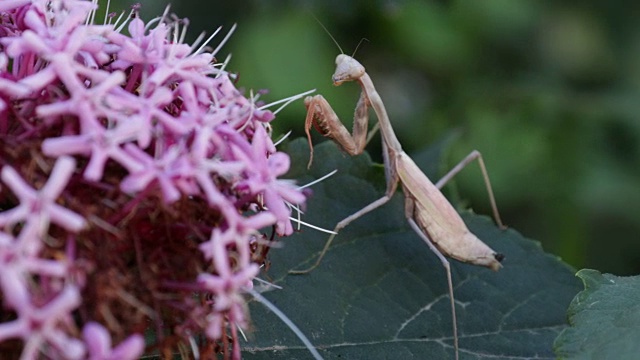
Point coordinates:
pixel 347 69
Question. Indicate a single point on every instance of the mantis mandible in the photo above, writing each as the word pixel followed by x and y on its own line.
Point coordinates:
pixel 427 211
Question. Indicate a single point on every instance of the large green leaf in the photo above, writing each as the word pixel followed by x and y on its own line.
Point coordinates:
pixel 381 294
pixel 604 318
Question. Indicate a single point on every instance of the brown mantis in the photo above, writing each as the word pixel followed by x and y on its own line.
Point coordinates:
pixel 428 212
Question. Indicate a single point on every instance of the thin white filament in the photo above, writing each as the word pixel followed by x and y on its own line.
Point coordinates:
pixel 288 322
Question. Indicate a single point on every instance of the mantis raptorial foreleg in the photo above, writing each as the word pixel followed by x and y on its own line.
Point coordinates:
pixel 428 212
pixel 324 119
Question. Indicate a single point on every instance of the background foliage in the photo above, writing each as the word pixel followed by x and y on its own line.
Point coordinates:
pixel 604 319
pixel 547 90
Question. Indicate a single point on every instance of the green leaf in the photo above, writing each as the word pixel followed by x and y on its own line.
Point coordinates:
pixel 380 293
pixel 604 318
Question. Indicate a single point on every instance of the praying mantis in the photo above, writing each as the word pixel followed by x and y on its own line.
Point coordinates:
pixel 427 211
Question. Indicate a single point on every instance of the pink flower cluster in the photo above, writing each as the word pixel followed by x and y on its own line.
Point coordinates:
pixel 110 145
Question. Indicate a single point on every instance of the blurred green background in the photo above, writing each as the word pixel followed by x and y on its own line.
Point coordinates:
pixel 547 90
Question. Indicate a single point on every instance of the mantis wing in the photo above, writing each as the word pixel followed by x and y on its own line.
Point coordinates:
pixel 436 217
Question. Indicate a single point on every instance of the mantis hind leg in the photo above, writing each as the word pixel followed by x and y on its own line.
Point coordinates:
pixel 475 155
pixel 447 267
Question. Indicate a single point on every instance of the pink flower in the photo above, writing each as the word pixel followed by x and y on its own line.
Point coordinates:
pixel 98 343
pixel 178 177
pixel 101 144
pixel 38 208
pixel 38 325
pixel 263 167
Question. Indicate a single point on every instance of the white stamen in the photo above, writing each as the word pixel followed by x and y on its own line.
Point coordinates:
pixel 194 348
pixel 282 138
pixel 286 101
pixel 224 65
pixel 208 40
pixel 268 284
pixel 197 42
pixel 233 28
pixel 242 333
pixel 318 180
pixel 313 226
